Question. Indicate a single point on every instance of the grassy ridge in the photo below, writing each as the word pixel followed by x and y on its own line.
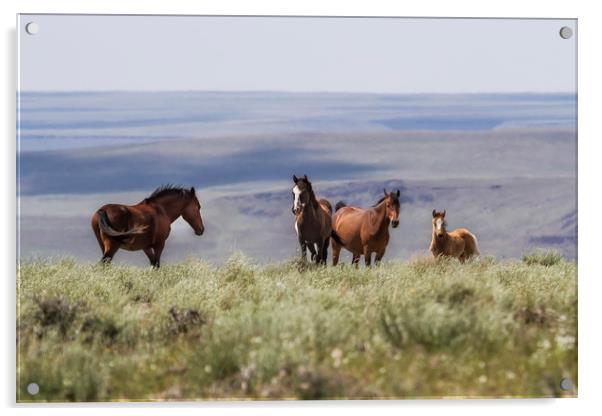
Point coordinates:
pixel 193 330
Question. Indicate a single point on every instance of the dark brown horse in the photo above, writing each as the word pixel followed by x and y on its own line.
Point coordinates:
pixel 313 222
pixel 146 226
pixel 460 243
pixel 364 232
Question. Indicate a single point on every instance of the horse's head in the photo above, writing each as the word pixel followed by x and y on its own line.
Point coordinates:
pixel 392 205
pixel 439 223
pixel 192 213
pixel 301 194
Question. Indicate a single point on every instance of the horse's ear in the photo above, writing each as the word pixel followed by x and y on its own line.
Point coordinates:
pixel 398 193
pixel 295 179
pixel 192 191
pixel 443 215
pixel 385 191
pixel 434 213
pixel 308 183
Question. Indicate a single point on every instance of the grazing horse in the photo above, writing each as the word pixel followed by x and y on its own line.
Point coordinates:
pixel 364 232
pixel 460 243
pixel 146 226
pixel 313 222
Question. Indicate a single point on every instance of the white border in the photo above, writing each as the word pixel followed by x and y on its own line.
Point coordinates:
pixel 590 206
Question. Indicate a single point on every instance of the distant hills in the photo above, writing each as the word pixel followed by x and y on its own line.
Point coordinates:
pixel 502 165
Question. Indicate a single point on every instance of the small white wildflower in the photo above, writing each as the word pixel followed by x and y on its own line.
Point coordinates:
pixel 207 368
pixel 510 375
pixel 336 355
pixel 565 341
pixel 483 379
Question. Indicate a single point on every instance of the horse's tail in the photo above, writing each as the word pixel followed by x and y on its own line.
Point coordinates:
pixel 476 245
pixel 324 202
pixel 336 237
pixel 105 227
pixel 339 205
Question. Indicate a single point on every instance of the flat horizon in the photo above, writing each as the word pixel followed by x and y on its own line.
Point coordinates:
pixel 264 91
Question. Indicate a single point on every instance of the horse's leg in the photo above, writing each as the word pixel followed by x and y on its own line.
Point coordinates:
pixel 318 257
pixel 158 249
pixel 325 250
pixel 367 255
pixel 303 245
pixel 336 252
pixel 379 256
pixel 312 250
pixel 150 254
pixel 355 261
pixel 109 250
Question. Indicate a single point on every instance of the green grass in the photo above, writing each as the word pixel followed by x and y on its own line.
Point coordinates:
pixel 415 329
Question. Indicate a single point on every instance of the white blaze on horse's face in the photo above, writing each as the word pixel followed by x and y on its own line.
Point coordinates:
pixel 296 199
pixel 439 225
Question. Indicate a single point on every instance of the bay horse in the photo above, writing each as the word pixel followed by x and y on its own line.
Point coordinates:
pixel 146 225
pixel 313 222
pixel 365 231
pixel 460 243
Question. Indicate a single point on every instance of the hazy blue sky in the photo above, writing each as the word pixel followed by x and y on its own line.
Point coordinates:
pixel 296 54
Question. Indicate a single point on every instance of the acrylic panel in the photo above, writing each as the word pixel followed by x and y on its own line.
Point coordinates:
pixel 266 208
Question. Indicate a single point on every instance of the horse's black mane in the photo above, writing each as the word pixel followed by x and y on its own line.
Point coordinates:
pixel 393 195
pixel 167 189
pixel 378 202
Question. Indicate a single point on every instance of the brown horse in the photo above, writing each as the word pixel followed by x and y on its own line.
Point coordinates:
pixel 460 243
pixel 313 222
pixel 146 226
pixel 365 231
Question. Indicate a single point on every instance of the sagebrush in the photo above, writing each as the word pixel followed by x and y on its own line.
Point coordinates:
pixel 191 331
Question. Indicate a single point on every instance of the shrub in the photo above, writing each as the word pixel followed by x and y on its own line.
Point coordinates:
pixel 543 258
pixel 241 330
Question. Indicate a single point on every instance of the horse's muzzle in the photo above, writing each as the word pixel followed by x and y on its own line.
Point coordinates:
pixel 395 223
pixel 200 232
